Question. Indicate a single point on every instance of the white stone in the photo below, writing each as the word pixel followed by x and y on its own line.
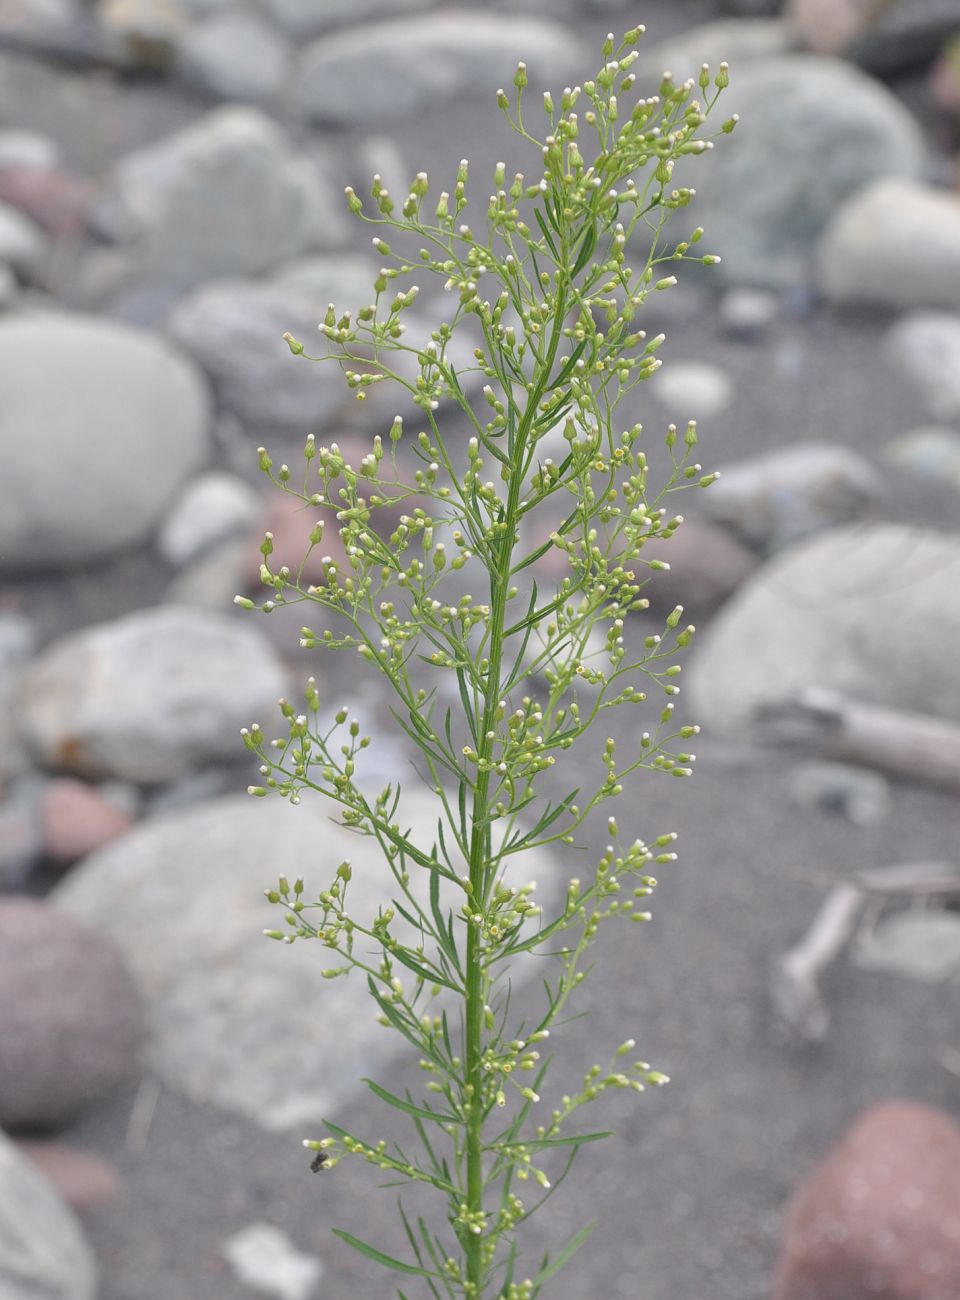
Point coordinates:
pixel 150 696
pixel 238 1020
pixel 212 509
pixel 925 347
pixel 868 612
pixel 395 69
pixel 895 243
pixel 28 149
pixel 692 390
pixel 747 314
pixel 235 56
pixel 43 1252
pixel 264 1258
pixel 921 945
pixel 100 424
pixel 23 244
pixel 225 196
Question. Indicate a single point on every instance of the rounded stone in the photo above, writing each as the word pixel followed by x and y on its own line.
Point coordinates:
pixel 100 423
pixel 70 1017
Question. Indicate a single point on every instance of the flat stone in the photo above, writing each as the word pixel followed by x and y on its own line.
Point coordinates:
pixel 821 614
pixel 225 196
pixel 895 243
pixel 122 428
pixel 921 945
pixel 924 346
pixel 213 509
pixel 236 1020
pixel 395 69
pixel 235 56
pixel 857 793
pixel 776 498
pixel 264 1258
pixel 151 696
pixel 70 1018
pixel 44 1254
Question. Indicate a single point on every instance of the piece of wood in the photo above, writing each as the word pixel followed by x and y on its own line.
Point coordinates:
pixel 913 745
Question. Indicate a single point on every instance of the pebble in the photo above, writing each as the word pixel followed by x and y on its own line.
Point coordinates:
pixel 151 696
pixel 44 1254
pixel 226 1012
pixel 391 70
pixel 828 26
pixel 921 945
pixel 235 56
pixel 227 195
pixel 776 498
pixel 821 615
pixel 93 459
pixel 212 580
pixel 84 1180
pixel 214 508
pixel 930 452
pixel 70 1018
pixel 748 314
pixel 707 565
pixel 78 819
pixel 924 346
pixel 692 389
pixel 880 1214
pixel 55 201
pixel 895 243
pixel 859 794
pixel 28 149
pixel 264 1258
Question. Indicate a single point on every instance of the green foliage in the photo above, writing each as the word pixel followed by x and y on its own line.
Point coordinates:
pixel 549 297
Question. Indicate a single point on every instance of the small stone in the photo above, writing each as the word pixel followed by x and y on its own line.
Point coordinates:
pixel 920 945
pixel 213 509
pixel 215 578
pixel 692 389
pixel 146 32
pixel 54 200
pixel 880 1215
pixel 291 524
pixel 77 820
pixel 860 795
pixel 45 1255
pixel 895 243
pixel 395 69
pixel 781 496
pixel 22 243
pixel 748 314
pixel 904 35
pixel 925 347
pixel 829 26
pixel 84 1180
pixel 28 149
pixel 929 452
pixel 70 1017
pixel 235 56
pixel 707 565
pixel 150 696
pixel 264 1258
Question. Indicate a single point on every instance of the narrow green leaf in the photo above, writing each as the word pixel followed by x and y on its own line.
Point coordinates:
pixel 586 250
pixel 543 1144
pixel 387 1261
pixel 546 233
pixel 570 1249
pixel 435 1117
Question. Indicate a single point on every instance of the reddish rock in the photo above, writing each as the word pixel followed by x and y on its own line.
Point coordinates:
pixel 879 1218
pixel 707 565
pixel 56 202
pixel 828 26
pixel 84 1180
pixel 77 820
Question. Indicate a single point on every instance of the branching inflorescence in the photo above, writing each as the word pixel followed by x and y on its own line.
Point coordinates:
pixel 550 298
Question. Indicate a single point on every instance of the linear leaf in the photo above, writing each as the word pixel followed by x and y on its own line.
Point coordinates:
pixel 435 1117
pixel 371 1252
pixel 550 1270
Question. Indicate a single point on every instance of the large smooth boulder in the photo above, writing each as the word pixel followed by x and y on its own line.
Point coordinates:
pixel 151 696
pixel 225 196
pixel 237 1019
pixel 879 1217
pixel 395 69
pixel 894 243
pixel 812 131
pixel 100 424
pixel 70 1017
pixel 870 612
pixel 43 1252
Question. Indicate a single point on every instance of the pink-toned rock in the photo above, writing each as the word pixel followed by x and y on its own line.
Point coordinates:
pixel 879 1218
pixel 55 201
pixel 828 26
pixel 77 820
pixel 84 1180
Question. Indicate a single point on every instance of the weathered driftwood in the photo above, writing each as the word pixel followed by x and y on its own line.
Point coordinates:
pixel 906 744
pixel 794 987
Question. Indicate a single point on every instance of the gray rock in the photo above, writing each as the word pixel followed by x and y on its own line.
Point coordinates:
pixel 213 580
pixel 905 34
pixel 151 696
pixel 707 565
pixel 225 196
pixel 921 945
pixel 780 496
pixel 895 243
pixel 235 56
pixel 144 34
pixel 44 1254
pixel 812 131
pixel 737 41
pixel 93 459
pixel 692 389
pixel 34 21
pixel 395 69
pixel 748 314
pixel 827 613
pixel 22 243
pixel 925 347
pixel 213 508
pixel 862 796
pixel 238 1020
pixel 929 452
pixel 301 18
pixel 264 1258
pixel 70 1018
